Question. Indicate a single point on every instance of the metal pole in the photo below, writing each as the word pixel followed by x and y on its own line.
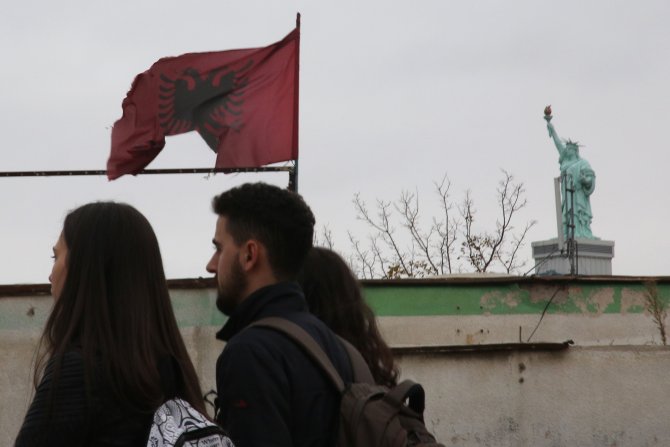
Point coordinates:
pixel 570 192
pixel 559 213
pixel 293 175
pixel 146 171
pixel 293 178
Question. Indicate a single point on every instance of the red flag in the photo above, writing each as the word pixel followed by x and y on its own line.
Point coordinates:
pixel 243 103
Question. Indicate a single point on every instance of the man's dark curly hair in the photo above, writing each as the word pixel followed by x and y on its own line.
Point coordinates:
pixel 278 218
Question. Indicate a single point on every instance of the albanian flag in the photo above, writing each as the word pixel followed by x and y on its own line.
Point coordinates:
pixel 243 103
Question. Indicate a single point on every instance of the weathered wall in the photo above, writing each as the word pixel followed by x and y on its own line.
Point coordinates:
pixel 584 396
pixel 610 388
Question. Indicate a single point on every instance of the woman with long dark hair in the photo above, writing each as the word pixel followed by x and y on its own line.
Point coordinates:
pixel 111 352
pixel 333 294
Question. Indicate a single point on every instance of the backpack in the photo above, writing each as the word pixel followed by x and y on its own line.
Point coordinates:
pixel 370 415
pixel 177 424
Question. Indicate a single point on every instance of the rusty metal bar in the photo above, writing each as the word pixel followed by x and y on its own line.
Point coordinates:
pixel 485 348
pixel 14 290
pixel 146 171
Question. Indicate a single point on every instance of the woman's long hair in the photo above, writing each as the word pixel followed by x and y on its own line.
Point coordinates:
pixel 115 308
pixel 333 294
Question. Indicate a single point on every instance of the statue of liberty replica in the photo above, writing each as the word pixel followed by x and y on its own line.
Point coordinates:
pixel 578 181
pixel 576 251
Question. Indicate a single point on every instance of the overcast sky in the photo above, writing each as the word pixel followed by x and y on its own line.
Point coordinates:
pixel 393 95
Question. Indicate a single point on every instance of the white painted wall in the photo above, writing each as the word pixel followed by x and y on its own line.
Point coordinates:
pixel 611 389
pixel 585 396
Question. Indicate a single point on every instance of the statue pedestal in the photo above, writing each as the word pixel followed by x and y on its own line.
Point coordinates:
pixel 594 257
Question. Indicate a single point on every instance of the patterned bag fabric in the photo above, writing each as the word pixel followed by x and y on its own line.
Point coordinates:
pixel 177 424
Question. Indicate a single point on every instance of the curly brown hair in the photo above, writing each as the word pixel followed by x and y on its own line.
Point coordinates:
pixel 334 295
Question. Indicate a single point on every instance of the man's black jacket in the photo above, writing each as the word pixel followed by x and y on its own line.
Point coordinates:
pixel 270 392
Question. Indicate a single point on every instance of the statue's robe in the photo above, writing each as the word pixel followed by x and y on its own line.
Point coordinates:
pixel 577 174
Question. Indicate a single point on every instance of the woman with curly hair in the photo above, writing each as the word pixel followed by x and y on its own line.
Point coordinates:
pixel 333 294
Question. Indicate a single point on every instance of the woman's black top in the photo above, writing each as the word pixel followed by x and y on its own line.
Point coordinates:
pixel 77 419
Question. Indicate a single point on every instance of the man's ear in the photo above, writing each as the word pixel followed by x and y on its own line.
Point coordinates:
pixel 250 255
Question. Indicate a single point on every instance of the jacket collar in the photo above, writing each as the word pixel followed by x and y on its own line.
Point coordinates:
pixel 274 300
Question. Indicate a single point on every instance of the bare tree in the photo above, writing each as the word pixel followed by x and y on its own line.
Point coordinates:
pixel 657 307
pixel 421 250
pixel 447 229
pixel 385 233
pixel 482 249
pixel 367 262
pixel 324 238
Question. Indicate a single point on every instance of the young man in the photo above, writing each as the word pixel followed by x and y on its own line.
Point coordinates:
pixel 270 392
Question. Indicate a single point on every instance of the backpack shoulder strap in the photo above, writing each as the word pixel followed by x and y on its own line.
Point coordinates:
pixel 362 372
pixel 309 345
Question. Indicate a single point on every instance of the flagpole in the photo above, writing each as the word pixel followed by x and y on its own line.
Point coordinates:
pixel 293 174
pixel 293 177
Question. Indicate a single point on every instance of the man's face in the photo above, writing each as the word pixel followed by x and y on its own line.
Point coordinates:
pixel 225 264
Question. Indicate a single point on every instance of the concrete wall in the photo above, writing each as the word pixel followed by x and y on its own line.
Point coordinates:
pixel 584 396
pixel 610 389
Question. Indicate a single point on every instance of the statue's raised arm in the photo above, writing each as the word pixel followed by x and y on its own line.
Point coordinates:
pixel 560 146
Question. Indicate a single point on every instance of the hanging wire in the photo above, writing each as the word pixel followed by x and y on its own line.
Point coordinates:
pixel 546 258
pixel 543 312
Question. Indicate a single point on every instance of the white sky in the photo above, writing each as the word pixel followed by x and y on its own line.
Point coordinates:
pixel 393 95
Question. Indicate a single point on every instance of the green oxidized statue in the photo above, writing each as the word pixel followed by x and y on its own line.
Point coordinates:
pixel 578 182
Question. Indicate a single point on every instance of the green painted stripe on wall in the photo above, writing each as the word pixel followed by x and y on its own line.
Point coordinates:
pixel 508 299
pixel 197 307
pixel 424 300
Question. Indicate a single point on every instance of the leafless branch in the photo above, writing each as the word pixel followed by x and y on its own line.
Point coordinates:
pixel 447 229
pixel 656 307
pixel 325 239
pixel 361 261
pixel 408 207
pixel 431 248
pixel 382 225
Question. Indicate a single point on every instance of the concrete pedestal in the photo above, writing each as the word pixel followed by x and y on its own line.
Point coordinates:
pixel 594 257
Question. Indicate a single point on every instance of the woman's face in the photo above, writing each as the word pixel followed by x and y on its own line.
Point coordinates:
pixel 59 270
